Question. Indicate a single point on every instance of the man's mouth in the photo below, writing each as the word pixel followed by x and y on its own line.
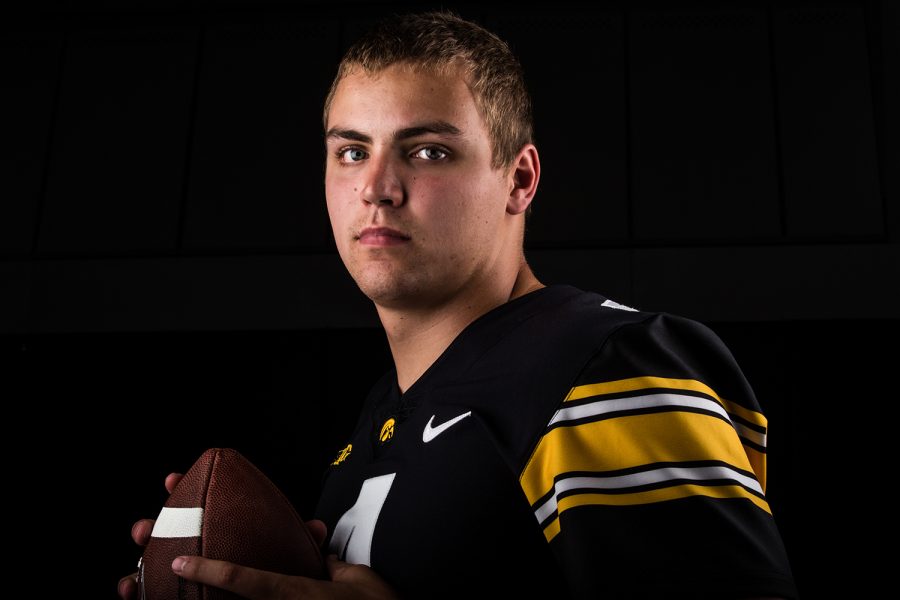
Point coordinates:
pixel 381 236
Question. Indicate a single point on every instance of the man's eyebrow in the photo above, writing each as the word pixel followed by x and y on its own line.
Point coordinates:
pixel 347 134
pixel 437 127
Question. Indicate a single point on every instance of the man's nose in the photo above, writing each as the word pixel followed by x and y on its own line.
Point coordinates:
pixel 382 185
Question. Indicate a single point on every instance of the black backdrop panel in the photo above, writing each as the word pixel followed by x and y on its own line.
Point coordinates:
pixel 15 295
pixel 887 94
pixel 116 174
pixel 193 294
pixel 256 175
pixel 828 142
pixel 703 126
pixel 575 68
pixel 29 64
pixel 607 271
pixel 827 281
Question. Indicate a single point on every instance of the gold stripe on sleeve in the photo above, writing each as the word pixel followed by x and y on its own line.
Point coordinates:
pixel 630 441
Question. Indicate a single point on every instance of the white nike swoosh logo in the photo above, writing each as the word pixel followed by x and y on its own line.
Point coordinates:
pixel 430 432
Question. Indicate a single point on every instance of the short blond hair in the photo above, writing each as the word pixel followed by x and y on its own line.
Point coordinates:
pixel 441 41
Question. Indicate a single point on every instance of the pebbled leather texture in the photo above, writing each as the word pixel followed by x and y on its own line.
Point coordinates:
pixel 246 520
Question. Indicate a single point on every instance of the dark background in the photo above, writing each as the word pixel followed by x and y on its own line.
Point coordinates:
pixel 168 280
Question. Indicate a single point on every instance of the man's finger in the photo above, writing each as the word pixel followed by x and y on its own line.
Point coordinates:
pixel 141 530
pixel 243 581
pixel 359 576
pixel 172 480
pixel 318 529
pixel 128 587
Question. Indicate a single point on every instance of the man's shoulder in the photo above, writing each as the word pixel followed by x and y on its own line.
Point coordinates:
pixel 568 314
pixel 581 335
pixel 538 344
pixel 586 313
pixel 652 348
pixel 569 303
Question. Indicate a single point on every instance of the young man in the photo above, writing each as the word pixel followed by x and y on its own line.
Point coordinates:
pixel 532 440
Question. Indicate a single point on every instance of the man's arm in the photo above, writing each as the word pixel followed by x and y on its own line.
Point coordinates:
pixel 649 479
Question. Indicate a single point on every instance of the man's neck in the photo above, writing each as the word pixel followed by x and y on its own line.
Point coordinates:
pixel 418 338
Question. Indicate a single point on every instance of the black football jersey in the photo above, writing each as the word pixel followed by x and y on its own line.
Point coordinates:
pixel 563 445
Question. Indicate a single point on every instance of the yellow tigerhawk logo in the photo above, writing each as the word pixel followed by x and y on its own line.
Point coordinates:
pixel 387 430
pixel 343 454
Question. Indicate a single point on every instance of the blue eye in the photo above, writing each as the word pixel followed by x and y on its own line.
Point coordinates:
pixel 351 154
pixel 430 153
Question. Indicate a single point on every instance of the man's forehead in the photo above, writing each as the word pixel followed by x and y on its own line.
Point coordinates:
pixel 402 96
pixel 418 87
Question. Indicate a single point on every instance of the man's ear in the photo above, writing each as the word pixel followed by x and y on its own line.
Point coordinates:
pixel 523 179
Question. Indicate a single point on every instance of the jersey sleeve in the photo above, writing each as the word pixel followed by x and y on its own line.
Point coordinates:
pixel 649 480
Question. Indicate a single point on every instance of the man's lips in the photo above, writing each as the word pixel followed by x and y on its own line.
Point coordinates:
pixel 381 236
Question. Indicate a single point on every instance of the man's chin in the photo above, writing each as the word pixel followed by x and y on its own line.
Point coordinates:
pixel 389 297
pixel 394 294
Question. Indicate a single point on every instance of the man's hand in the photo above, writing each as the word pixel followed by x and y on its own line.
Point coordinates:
pixel 347 581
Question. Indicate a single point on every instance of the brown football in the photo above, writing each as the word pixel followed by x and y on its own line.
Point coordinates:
pixel 225 508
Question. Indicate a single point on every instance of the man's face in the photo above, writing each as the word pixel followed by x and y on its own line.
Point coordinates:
pixel 418 213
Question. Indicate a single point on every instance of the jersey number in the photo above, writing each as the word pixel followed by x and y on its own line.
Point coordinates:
pixel 352 538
